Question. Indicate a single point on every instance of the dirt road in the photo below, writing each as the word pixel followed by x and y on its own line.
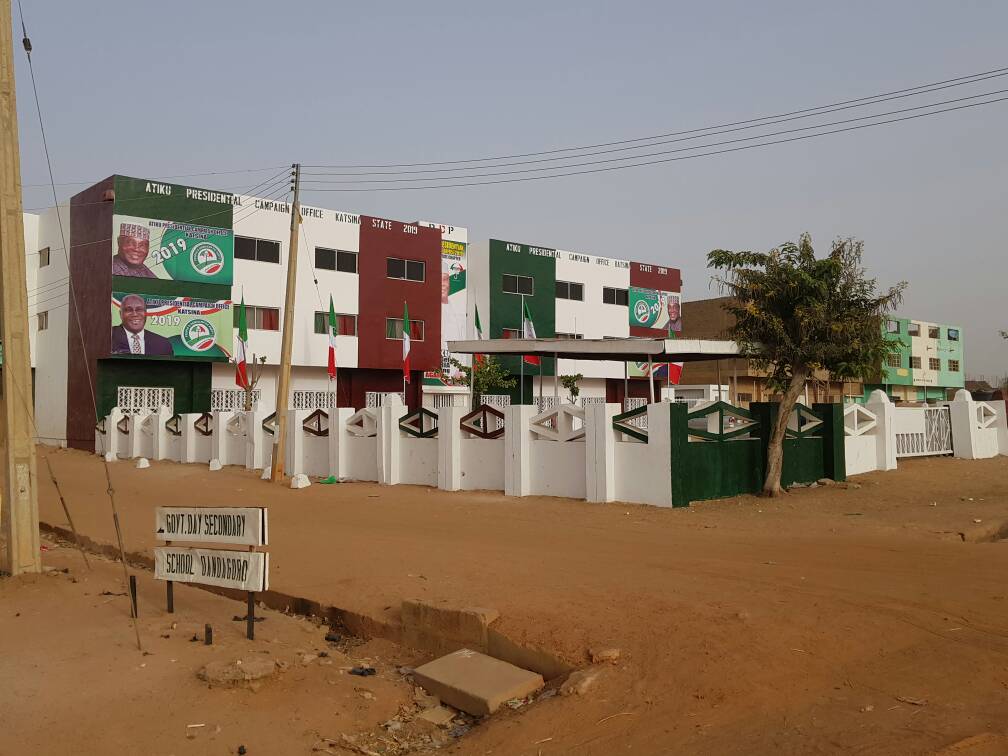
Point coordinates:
pixel 854 621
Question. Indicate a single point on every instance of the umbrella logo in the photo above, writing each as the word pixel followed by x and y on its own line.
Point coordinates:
pixel 198 335
pixel 207 259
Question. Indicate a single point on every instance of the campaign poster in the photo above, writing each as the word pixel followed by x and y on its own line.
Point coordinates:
pixel 152 325
pixel 172 250
pixel 453 304
pixel 659 310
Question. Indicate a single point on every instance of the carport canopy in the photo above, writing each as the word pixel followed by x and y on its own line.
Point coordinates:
pixel 619 349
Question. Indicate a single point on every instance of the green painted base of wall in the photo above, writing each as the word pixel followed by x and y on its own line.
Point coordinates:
pixel 191 381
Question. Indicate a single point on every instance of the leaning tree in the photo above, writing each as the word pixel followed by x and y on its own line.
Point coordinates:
pixel 795 313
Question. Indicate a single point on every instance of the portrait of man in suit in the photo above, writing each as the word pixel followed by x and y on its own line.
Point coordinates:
pixel 131 337
pixel 133 245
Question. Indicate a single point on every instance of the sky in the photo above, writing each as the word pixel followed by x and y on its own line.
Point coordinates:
pixel 141 90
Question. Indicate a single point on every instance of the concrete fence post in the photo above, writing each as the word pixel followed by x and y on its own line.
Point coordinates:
pixel 294 454
pixel 659 454
pixel 1001 423
pixel 600 450
pixel 108 442
pixel 517 449
pixel 161 436
pixel 134 440
pixel 884 410
pixel 338 417
pixel 253 440
pixel 449 448
pixel 965 428
pixel 219 440
pixel 188 438
pixel 389 435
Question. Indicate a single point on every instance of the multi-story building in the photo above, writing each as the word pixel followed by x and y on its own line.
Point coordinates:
pixel 177 260
pixel 572 295
pixel 928 363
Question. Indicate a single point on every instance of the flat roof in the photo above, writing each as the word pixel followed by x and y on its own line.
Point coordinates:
pixel 620 350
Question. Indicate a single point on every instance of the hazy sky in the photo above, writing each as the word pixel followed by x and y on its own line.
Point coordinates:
pixel 154 89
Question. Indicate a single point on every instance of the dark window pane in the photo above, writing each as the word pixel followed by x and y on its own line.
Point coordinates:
pixel 395 268
pixel 577 292
pixel 346 262
pixel 267 251
pixel 525 285
pixel 270 318
pixel 325 258
pixel 608 295
pixel 622 297
pixel 414 270
pixel 321 322
pixel 562 290
pixel 244 248
pixel 346 325
pixel 416 328
pixel 509 284
pixel 393 328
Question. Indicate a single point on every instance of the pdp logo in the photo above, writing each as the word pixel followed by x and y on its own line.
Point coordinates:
pixel 642 311
pixel 207 259
pixel 198 335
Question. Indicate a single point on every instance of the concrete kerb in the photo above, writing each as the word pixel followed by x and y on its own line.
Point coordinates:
pixel 427 628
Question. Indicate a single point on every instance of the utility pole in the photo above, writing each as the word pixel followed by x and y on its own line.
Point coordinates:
pixel 18 497
pixel 283 381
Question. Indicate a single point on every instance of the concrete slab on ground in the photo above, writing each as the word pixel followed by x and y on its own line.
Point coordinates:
pixel 474 682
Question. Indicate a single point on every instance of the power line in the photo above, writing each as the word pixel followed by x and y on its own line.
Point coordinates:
pixel 663 160
pixel 660 152
pixel 866 100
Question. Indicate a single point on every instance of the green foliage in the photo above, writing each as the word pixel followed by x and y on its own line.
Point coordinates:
pixel 570 383
pixel 487 376
pixel 795 313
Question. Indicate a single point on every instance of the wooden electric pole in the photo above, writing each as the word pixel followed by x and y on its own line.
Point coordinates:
pixel 18 498
pixel 283 380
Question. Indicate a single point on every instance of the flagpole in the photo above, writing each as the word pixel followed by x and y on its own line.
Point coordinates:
pixel 521 332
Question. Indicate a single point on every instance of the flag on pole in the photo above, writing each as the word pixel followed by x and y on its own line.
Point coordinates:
pixel 405 343
pixel 674 368
pixel 528 332
pixel 241 367
pixel 480 358
pixel 333 333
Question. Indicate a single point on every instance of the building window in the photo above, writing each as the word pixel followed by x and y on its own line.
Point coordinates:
pixel 934 363
pixel 892 326
pixel 614 296
pixel 570 290
pixel 511 333
pixel 893 360
pixel 569 336
pixel 261 250
pixel 43 257
pixel 346 325
pixel 404 270
pixel 953 334
pixel 43 320
pixel 515 284
pixel 915 362
pixel 953 366
pixel 260 318
pixel 335 259
pixel 394 329
pixel 934 332
pixel 913 329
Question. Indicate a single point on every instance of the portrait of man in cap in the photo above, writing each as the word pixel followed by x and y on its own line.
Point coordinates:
pixel 132 337
pixel 133 245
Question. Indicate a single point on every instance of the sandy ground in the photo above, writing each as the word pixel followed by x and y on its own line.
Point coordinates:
pixel 829 621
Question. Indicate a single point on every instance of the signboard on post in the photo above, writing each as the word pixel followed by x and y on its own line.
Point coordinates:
pixel 240 570
pixel 241 526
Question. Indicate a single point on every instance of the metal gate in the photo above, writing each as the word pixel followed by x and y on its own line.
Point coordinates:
pixel 933 438
pixel 135 400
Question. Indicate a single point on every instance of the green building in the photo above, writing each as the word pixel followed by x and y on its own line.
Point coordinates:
pixel 927 364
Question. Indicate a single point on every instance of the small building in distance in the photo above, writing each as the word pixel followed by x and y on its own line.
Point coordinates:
pixel 926 366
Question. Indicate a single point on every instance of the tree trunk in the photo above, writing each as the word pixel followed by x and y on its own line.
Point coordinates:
pixel 775 450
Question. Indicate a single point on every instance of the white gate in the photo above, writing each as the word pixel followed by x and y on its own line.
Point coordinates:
pixel 134 400
pixel 923 431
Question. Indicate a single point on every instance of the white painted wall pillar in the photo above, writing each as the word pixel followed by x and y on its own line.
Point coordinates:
pixel 188 437
pixel 1001 423
pixel 389 436
pixel 254 440
pixel 600 448
pixel 161 436
pixel 133 446
pixel 885 429
pixel 108 442
pixel 294 454
pixel 450 448
pixel 338 440
pixel 517 449
pixel 659 455
pixel 963 412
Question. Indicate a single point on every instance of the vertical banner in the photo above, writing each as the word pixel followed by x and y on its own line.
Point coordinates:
pixel 454 242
